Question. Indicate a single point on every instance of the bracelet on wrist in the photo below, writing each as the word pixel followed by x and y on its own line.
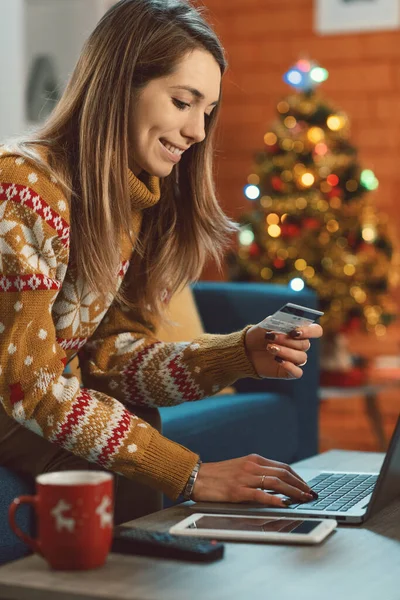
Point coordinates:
pixel 187 492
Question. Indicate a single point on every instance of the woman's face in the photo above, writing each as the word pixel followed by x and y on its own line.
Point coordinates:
pixel 170 113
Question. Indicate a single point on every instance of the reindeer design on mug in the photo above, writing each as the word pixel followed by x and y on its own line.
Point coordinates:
pixel 63 522
pixel 103 510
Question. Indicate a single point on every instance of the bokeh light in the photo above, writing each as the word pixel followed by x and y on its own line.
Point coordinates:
pixel 270 139
pixel 274 231
pixel 335 122
pixel 315 134
pixel 368 179
pixel 297 284
pixel 252 192
pixel 307 179
pixel 246 237
pixel 253 179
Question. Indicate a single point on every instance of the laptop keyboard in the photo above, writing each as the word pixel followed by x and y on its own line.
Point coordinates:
pixel 338 491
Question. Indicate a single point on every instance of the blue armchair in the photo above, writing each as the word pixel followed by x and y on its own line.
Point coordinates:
pixel 275 418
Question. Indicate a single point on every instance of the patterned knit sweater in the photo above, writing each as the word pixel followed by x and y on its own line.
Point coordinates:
pixel 47 315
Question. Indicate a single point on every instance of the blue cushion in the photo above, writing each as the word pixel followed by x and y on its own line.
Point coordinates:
pixel 230 426
pixel 13 485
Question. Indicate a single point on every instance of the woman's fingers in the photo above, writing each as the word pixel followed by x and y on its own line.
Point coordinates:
pixel 257 495
pixel 267 462
pixel 297 357
pixel 271 366
pixel 286 370
pixel 281 339
pixel 297 337
pixel 279 465
pixel 276 479
pixel 276 476
pixel 288 487
pixel 309 331
pixel 273 483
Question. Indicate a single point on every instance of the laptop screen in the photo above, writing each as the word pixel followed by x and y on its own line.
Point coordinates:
pixel 387 487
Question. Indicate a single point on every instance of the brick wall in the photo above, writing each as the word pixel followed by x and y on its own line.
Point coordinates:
pixel 262 39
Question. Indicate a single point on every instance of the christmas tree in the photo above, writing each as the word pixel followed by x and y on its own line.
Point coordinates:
pixel 313 222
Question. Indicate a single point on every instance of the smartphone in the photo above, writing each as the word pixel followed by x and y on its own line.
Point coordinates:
pixel 255 529
pixel 290 316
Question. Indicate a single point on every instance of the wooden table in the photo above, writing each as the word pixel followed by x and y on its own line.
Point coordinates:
pixel 356 562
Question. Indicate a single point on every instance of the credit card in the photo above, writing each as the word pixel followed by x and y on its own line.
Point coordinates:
pixel 289 317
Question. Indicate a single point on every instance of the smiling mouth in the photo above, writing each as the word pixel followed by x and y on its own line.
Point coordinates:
pixel 171 148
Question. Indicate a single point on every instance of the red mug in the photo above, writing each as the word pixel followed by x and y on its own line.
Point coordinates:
pixel 74 511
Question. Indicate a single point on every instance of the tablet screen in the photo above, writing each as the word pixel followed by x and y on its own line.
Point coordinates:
pixel 223 523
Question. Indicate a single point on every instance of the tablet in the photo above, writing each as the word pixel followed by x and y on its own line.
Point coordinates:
pixel 255 529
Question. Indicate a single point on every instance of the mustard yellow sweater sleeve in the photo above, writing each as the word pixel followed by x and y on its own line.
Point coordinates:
pixel 34 253
pixel 124 358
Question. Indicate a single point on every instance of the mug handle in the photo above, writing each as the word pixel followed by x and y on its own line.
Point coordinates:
pixel 27 539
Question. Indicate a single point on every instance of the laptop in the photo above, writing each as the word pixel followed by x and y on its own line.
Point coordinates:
pixel 345 496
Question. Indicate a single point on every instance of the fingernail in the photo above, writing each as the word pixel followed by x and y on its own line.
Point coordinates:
pixel 287 502
pixel 273 349
pixel 306 495
pixel 269 335
pixel 296 333
pixel 278 359
pixel 314 494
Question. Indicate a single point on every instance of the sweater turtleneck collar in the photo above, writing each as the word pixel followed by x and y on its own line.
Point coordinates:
pixel 144 192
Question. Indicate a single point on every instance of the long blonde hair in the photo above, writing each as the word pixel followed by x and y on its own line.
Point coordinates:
pixel 87 150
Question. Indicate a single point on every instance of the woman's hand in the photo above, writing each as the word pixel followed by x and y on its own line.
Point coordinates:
pixel 245 479
pixel 280 354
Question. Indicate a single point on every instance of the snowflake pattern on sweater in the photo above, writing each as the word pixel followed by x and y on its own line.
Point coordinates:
pixel 48 315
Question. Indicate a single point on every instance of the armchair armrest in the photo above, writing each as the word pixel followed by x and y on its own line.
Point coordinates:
pixel 225 307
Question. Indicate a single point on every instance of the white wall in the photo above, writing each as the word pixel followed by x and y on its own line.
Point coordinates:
pixel 28 28
pixel 59 28
pixel 12 67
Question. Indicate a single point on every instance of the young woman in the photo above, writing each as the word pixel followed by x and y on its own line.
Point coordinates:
pixel 106 211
